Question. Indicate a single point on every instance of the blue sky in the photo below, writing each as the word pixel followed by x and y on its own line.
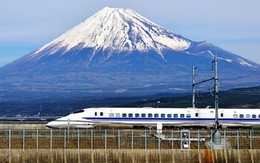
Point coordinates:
pixel 233 25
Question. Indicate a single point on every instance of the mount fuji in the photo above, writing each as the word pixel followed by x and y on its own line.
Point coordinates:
pixel 119 51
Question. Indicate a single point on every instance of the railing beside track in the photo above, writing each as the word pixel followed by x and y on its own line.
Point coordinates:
pixel 121 139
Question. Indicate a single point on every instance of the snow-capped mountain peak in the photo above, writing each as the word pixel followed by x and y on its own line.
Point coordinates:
pixel 118 29
pixel 118 50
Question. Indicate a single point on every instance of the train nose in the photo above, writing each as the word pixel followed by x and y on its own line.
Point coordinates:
pixel 54 124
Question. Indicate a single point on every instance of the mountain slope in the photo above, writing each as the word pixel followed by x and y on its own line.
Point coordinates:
pixel 118 50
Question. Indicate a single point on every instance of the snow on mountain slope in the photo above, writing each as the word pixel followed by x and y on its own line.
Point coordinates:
pixel 118 49
pixel 118 30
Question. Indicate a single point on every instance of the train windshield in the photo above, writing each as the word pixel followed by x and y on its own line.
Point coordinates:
pixel 79 111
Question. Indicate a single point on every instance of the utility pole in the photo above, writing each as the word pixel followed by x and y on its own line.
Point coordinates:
pixel 216 135
pixel 193 86
pixel 216 91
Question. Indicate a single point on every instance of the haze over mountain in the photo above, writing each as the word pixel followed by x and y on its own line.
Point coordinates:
pixel 119 51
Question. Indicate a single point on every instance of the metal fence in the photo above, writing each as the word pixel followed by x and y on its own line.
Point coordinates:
pixel 124 139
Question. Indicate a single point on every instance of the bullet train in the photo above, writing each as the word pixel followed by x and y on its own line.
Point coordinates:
pixel 159 117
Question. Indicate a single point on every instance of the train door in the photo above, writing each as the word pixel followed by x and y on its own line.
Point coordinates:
pixel 221 114
pixel 197 116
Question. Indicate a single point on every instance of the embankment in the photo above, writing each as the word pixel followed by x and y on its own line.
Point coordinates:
pixel 129 156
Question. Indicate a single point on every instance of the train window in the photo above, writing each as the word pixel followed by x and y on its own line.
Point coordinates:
pixel 143 115
pixel 188 115
pixel 117 114
pixel 79 111
pixel 182 115
pixel 196 114
pixel 169 115
pixel 253 116
pixel 130 115
pixel 137 115
pixel 101 113
pixel 95 113
pixel 111 114
pixel 156 115
pixel 221 114
pixel 259 116
pixel 162 115
pixel 247 115
pixel 150 115
pixel 241 115
pixel 175 115
pixel 235 116
pixel 124 115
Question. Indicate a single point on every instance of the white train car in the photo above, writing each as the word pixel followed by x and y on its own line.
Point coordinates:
pixel 91 117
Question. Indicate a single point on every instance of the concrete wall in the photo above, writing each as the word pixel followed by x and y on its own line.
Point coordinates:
pixel 131 156
pixel 22 125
